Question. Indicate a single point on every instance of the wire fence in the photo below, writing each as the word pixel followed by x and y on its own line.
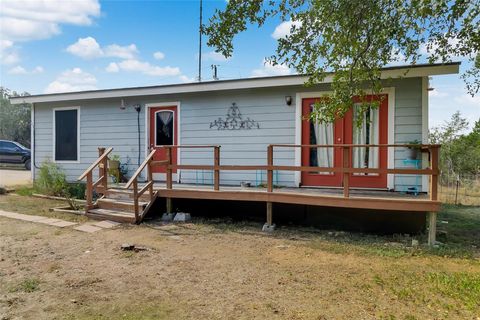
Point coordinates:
pixel 459 189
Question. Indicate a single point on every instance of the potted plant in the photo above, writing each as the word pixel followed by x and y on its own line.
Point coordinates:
pixel 114 161
pixel 412 149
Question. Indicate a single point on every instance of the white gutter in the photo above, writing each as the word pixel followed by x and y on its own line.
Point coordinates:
pixel 250 83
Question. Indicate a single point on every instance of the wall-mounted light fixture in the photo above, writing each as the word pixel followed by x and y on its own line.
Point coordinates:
pixel 288 100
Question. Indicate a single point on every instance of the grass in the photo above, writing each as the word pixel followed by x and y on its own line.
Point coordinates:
pixel 23 202
pixel 27 285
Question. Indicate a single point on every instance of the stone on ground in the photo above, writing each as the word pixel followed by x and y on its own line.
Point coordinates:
pixel 106 224
pixel 182 217
pixel 87 228
pixel 268 227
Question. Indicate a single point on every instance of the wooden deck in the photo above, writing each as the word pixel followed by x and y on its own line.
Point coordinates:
pixel 132 202
pixel 328 197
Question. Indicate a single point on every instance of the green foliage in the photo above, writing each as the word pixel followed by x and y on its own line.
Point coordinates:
pixel 51 180
pixel 77 190
pixel 460 152
pixel 14 120
pixel 27 285
pixel 355 39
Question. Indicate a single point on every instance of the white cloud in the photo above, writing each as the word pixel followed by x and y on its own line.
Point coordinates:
pixel 284 29
pixel 133 65
pixel 268 69
pixel 112 67
pixel 186 79
pixel 8 52
pixel 19 70
pixel 159 55
pixel 126 52
pixel 72 80
pixel 214 56
pixel 88 48
pixel 24 20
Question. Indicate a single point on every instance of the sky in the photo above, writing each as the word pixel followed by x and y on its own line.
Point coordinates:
pixel 72 45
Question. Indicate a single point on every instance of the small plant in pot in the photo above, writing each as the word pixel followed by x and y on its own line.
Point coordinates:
pixel 413 149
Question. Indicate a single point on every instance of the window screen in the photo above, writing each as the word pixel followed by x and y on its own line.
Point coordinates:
pixel 66 133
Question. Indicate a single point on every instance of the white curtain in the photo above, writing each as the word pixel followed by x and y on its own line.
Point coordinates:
pixel 369 125
pixel 165 118
pixel 324 135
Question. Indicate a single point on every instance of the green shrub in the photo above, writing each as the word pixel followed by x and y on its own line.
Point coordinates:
pixel 51 180
pixel 77 190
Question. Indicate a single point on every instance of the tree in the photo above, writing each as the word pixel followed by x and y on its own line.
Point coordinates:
pixel 14 120
pixel 460 152
pixel 355 39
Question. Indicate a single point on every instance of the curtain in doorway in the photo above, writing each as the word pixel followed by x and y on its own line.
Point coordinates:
pixel 164 123
pixel 321 133
pixel 367 133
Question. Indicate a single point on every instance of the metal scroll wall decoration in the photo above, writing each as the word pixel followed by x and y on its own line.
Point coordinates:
pixel 234 121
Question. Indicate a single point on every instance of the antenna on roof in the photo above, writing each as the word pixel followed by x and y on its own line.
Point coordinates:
pixel 200 46
pixel 214 69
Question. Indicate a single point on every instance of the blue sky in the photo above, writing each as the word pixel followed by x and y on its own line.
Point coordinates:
pixel 52 46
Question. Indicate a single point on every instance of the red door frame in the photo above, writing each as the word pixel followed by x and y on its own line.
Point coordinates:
pixel 161 152
pixel 377 180
pixel 320 179
pixel 343 134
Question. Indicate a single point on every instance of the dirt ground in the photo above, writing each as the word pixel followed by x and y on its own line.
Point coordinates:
pixel 220 270
pixel 15 177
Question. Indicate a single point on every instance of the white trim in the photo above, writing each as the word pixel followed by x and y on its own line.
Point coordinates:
pixel 250 83
pixel 425 178
pixel 78 135
pixel 161 176
pixel 391 135
pixel 390 91
pixel 32 142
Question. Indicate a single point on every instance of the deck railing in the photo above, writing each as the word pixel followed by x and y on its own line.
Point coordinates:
pixel 133 182
pixel 346 169
pixel 101 185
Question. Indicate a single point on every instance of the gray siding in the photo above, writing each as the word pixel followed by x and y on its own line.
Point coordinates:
pixel 103 123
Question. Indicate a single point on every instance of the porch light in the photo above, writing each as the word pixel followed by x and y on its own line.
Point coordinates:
pixel 288 100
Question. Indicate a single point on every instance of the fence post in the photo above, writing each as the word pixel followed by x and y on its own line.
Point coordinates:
pixel 169 168
pixel 216 162
pixel 89 192
pixel 434 177
pixel 269 169
pixel 346 175
pixel 135 198
pixel 101 171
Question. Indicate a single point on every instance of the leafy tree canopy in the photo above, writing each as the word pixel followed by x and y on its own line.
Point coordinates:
pixel 356 38
pixel 14 119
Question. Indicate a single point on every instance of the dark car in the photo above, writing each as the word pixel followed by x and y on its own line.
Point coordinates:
pixel 14 153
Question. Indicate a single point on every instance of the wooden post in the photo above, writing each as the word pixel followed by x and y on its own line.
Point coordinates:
pixel 434 177
pixel 216 162
pixel 105 174
pixel 135 199
pixel 169 205
pixel 346 175
pixel 269 170
pixel 269 213
pixel 101 151
pixel 89 192
pixel 169 168
pixel 150 178
pixel 432 228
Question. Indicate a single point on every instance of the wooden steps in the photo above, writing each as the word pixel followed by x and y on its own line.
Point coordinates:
pixel 118 205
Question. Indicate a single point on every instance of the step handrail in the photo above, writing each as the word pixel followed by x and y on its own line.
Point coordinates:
pixel 140 169
pixel 149 185
pixel 95 164
pixel 102 176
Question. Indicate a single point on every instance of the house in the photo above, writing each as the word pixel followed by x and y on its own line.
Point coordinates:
pixel 243 117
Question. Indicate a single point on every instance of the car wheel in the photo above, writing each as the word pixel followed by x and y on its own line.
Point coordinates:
pixel 28 164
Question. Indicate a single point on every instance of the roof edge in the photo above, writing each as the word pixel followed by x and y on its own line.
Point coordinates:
pixel 407 71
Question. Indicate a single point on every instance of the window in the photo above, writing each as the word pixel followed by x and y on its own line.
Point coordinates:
pixel 164 128
pixel 66 134
pixel 366 133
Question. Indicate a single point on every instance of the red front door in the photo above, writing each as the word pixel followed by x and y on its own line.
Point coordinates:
pixel 373 130
pixel 163 132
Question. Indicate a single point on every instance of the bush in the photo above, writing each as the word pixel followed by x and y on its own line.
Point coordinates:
pixel 77 190
pixel 51 180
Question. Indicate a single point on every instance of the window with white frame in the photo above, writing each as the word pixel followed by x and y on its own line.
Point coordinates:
pixel 66 134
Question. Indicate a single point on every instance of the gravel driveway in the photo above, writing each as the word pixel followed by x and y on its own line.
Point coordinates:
pixel 14 177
